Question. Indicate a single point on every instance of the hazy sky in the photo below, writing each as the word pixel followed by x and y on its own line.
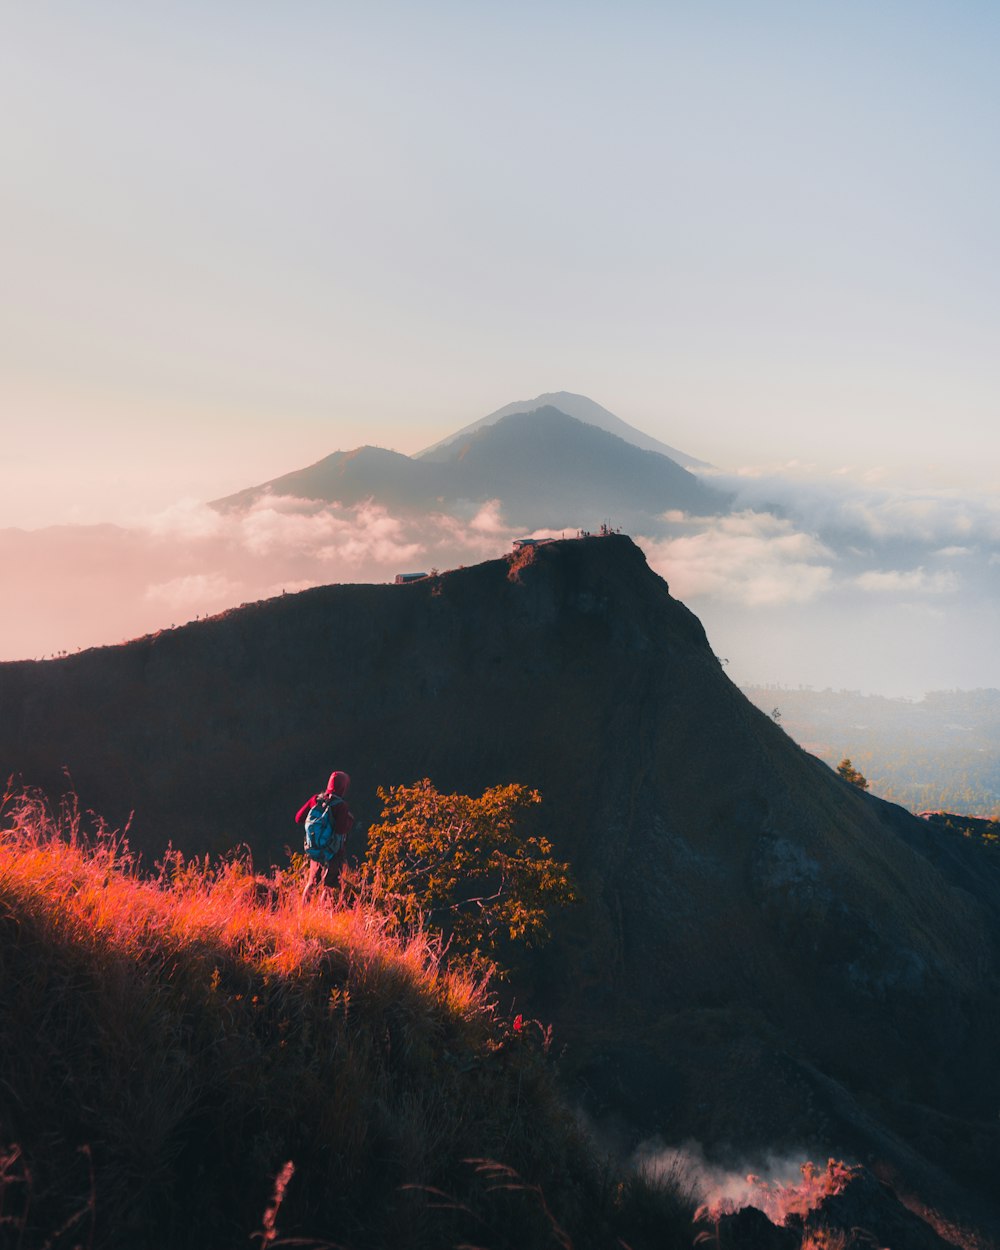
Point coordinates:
pixel 238 236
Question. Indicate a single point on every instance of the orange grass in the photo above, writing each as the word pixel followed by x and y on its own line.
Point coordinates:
pixel 196 1025
pixel 174 1037
pixel 95 893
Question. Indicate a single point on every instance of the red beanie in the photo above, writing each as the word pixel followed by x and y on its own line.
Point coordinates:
pixel 338 784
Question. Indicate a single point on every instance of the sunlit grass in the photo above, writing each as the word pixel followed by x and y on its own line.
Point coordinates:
pixel 95 893
pixel 196 1025
pixel 176 1035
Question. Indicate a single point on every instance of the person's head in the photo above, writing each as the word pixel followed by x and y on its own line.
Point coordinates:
pixel 338 784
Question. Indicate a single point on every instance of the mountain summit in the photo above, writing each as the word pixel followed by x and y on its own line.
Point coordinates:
pixel 547 469
pixel 578 406
pixel 765 957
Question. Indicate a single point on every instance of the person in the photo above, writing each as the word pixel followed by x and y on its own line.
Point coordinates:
pixel 325 864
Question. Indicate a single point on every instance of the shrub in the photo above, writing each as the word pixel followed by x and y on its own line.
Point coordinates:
pixel 466 866
pixel 849 773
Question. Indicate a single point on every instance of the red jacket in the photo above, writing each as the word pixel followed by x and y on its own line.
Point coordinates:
pixel 343 820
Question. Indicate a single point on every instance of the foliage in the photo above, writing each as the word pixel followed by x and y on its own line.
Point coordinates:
pixel 465 865
pixel 849 773
pixel 519 560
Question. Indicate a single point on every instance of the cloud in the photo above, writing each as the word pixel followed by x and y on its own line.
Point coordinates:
pixel 777 468
pixel 296 527
pixel 190 560
pixel 929 519
pixel 198 590
pixel 848 503
pixel 186 519
pixel 751 558
pixel 489 519
pixel 363 537
pixel 486 534
pixel 908 581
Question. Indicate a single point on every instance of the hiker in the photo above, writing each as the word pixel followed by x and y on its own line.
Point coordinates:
pixel 328 821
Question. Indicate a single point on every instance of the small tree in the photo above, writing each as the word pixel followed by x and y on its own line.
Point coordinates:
pixel 851 774
pixel 464 865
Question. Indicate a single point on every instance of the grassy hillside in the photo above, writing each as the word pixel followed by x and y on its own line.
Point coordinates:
pixel 172 1042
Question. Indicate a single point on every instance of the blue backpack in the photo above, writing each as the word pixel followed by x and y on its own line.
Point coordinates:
pixel 322 840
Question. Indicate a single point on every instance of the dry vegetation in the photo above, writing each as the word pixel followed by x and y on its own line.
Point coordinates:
pixel 172 1039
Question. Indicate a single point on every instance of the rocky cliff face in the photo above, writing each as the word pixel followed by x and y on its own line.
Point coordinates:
pixel 766 957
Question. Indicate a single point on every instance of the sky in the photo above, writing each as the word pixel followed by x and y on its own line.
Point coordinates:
pixel 237 237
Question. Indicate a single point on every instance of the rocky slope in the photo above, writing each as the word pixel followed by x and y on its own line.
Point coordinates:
pixel 767 958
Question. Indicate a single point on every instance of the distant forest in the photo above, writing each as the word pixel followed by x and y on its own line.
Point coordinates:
pixel 941 753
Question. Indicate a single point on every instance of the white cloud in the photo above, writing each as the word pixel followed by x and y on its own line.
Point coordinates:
pixel 489 519
pixel 908 581
pixel 925 518
pixel 191 560
pixel 199 590
pixel 752 558
pixel 361 536
pixel 186 519
pixel 847 501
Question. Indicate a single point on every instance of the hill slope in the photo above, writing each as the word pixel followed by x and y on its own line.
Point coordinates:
pixel 766 956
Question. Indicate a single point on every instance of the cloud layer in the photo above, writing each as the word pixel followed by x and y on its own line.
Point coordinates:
pixel 816 580
pixel 88 585
pixel 751 558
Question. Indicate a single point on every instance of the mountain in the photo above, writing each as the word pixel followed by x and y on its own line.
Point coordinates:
pixel 546 468
pixel 549 469
pixel 350 477
pixel 766 958
pixel 578 406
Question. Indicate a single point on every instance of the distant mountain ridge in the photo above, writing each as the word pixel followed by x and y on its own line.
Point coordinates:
pixel 546 468
pixel 578 406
